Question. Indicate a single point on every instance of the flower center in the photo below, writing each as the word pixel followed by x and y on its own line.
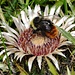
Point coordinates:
pixel 36 44
pixel 38 40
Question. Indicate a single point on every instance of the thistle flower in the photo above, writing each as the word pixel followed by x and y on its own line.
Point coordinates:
pixel 24 42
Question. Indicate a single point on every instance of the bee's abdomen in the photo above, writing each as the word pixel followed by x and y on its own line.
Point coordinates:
pixel 53 33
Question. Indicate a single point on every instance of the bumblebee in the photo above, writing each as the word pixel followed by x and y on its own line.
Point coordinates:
pixel 45 26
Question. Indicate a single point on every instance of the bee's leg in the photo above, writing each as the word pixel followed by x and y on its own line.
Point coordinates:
pixel 43 33
pixel 34 31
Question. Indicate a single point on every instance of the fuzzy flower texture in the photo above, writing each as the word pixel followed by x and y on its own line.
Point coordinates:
pixel 23 41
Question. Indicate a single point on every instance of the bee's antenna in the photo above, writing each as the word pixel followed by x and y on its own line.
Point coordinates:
pixel 39 14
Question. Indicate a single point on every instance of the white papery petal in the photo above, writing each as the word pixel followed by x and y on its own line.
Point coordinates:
pixel 22 26
pixel 66 26
pixel 59 52
pixel 69 20
pixel 62 39
pixel 16 21
pixel 9 29
pixel 4 58
pixel 13 49
pixel 54 21
pixel 39 60
pixel 25 19
pixel 16 54
pixel 3 51
pixel 73 33
pixel 65 43
pixel 19 54
pixel 29 51
pixel 58 10
pixel 46 11
pixel 61 21
pixel 9 34
pixel 70 27
pixel 6 55
pixel 52 12
pixel 20 49
pixel 8 49
pixel 10 39
pixel 54 60
pixel 30 13
pixel 37 10
pixel 23 56
pixel 30 61
pixel 1 46
pixel 38 7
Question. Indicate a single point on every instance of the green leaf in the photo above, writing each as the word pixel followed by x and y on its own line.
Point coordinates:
pixel 65 7
pixel 51 67
pixel 67 35
pixel 22 71
pixel 58 3
pixel 72 72
pixel 73 52
pixel 68 71
pixel 71 6
pixel 2 15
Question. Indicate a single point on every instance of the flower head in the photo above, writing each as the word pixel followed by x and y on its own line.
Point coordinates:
pixel 24 42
